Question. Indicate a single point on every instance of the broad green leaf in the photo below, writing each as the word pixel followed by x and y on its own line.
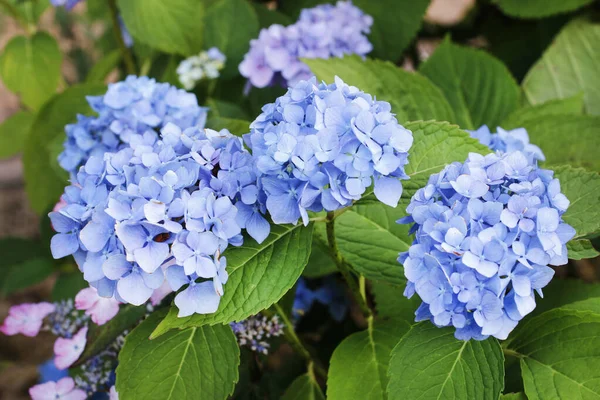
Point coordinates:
pixel 580 249
pixel 30 67
pixel 370 239
pixel 68 285
pixel 479 87
pixel 320 262
pixel 394 26
pixel 560 355
pixel 43 186
pixel 391 303
pixel 436 144
pixel 430 363
pixel 569 106
pixel 13 132
pixel 582 188
pixel 592 304
pixel 412 96
pixel 201 361
pixel 229 25
pixel 100 337
pixel 513 396
pixel 220 108
pixel 23 263
pixel 26 10
pixel 567 139
pixel 570 65
pixel 259 275
pixel 304 387
pixel 560 292
pixel 268 17
pixel 236 126
pixel 359 365
pixel 175 26
pixel 104 66
pixel 539 8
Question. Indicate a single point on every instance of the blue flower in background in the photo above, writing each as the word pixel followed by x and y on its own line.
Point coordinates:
pixel 68 4
pixel 330 294
pixel 319 147
pixel 321 32
pixel 49 373
pixel 485 232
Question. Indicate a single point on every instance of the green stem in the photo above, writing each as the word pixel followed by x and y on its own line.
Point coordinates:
pixel 512 353
pixel 290 334
pixel 146 65
pixel 344 267
pixel 125 52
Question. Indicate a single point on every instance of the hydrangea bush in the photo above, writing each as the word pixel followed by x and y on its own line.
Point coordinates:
pixel 245 199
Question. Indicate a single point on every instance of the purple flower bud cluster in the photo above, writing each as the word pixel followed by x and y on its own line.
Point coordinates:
pixel 319 147
pixel 163 205
pixel 128 110
pixel 254 332
pixel 485 232
pixel 321 32
pixel 508 141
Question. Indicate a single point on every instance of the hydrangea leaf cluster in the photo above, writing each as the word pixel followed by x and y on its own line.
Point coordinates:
pixel 164 205
pixel 319 147
pixel 321 32
pixel 127 111
pixel 485 232
pixel 206 65
pixel 505 141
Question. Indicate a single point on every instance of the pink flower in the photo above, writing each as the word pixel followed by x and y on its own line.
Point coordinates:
pixel 64 389
pixel 67 351
pixel 101 309
pixel 113 395
pixel 159 294
pixel 26 318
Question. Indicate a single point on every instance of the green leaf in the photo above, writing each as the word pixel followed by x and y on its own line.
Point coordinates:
pixel 539 8
pixel 582 188
pixel 13 132
pixel 267 17
pixel 480 88
pixel 577 143
pixel 99 337
pixel 391 303
pixel 30 67
pixel 68 285
pixel 359 365
pixel 580 249
pixel 175 26
pixel 104 66
pixel 370 239
pixel 570 65
pixel 394 27
pixel 513 396
pixel 429 363
pixel 436 144
pixel 411 95
pixel 592 304
pixel 569 106
pixel 229 25
pixel 259 275
pixel 43 186
pixel 220 108
pixel 320 262
pixel 236 126
pixel 560 355
pixel 23 263
pixel 201 361
pixel 560 292
pixel 304 387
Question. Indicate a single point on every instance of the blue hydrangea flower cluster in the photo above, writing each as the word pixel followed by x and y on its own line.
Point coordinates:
pixel 126 112
pixel 165 206
pixel 485 232
pixel 319 147
pixel 321 32
pixel 508 141
pixel 330 293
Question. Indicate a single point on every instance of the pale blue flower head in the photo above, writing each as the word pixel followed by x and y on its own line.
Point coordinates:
pixel 485 232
